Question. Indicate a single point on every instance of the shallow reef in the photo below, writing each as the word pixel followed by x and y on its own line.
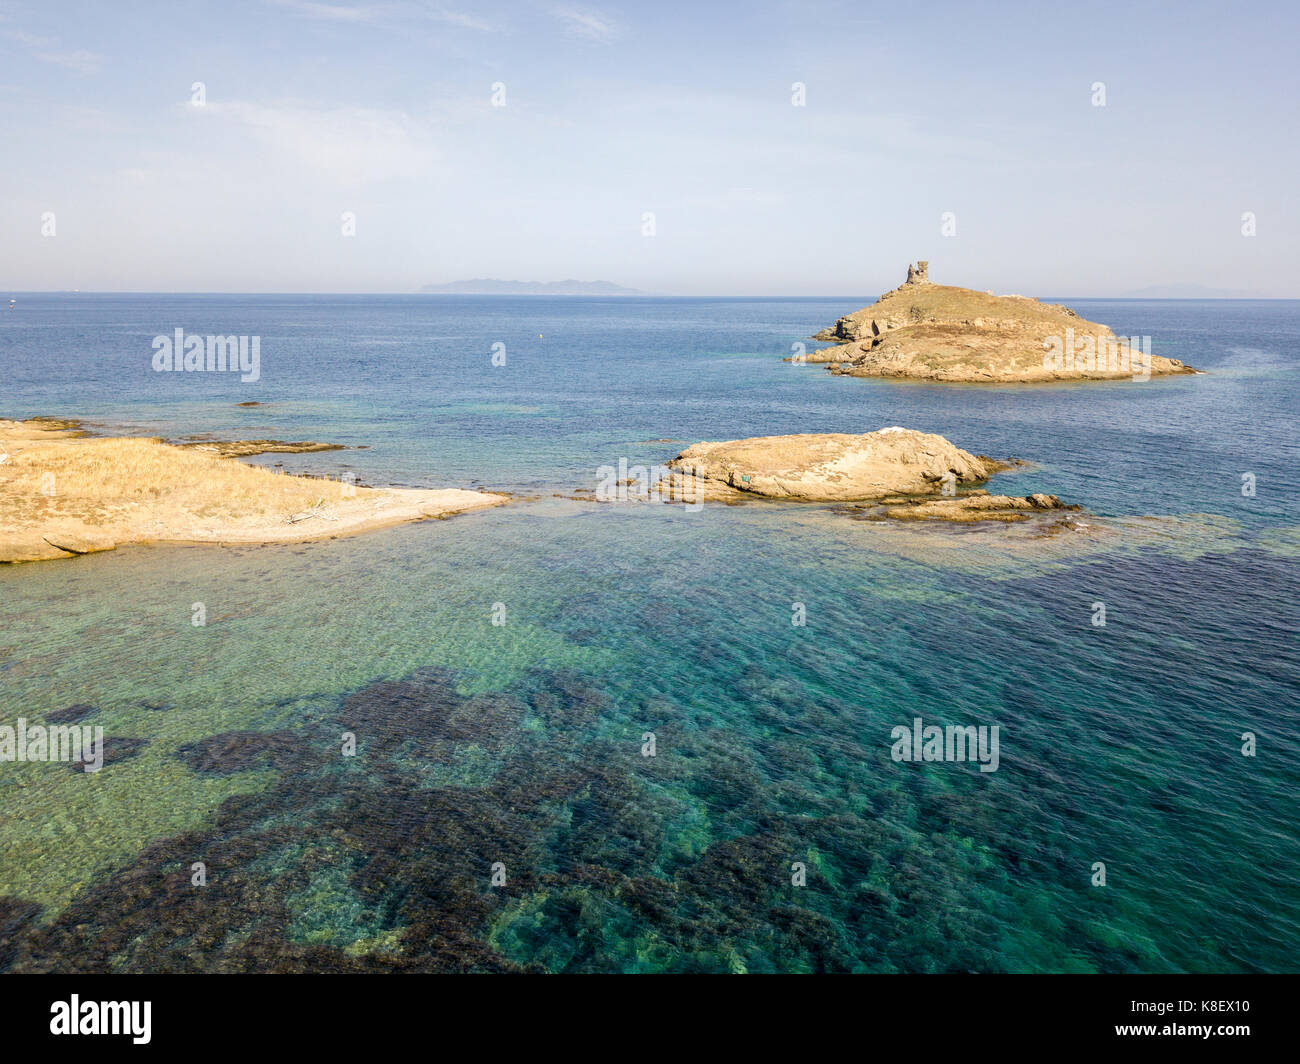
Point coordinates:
pixel 612 860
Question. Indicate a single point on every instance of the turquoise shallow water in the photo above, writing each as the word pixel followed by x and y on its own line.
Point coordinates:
pixel 522 743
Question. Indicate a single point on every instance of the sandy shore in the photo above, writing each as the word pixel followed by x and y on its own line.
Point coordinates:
pixel 63 494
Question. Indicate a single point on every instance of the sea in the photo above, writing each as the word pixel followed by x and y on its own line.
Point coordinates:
pixel 573 736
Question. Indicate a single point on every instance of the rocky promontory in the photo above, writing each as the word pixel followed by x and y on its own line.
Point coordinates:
pixel 927 331
pixel 64 493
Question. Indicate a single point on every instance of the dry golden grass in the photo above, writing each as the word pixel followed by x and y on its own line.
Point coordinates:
pixel 946 333
pixel 94 474
pixel 61 494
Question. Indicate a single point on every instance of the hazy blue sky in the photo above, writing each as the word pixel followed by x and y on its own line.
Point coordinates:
pixel 384 109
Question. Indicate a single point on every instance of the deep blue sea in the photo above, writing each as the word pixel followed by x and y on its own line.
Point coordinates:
pixel 501 811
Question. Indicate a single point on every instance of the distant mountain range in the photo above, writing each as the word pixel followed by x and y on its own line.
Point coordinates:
pixel 484 287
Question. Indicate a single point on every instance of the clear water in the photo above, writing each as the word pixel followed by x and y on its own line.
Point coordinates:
pixel 522 743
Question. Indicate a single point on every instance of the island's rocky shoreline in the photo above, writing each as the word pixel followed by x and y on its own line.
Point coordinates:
pixel 831 467
pixel 968 508
pixel 249 448
pixel 65 492
pixel 893 473
pixel 926 331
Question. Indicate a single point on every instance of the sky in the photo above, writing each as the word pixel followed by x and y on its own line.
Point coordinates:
pixel 200 146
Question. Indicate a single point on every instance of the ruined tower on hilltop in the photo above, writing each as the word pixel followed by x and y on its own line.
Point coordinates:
pixel 920 273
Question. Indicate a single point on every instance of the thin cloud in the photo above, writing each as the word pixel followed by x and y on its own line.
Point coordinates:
pixel 459 18
pixel 330 12
pixel 375 13
pixel 79 61
pixel 46 49
pixel 586 23
pixel 351 145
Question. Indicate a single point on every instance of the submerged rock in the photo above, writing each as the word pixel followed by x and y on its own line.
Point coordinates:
pixel 240 751
pixel 248 448
pixel 116 748
pixel 976 506
pixel 70 714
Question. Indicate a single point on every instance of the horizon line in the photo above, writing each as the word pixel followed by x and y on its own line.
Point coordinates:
pixel 552 295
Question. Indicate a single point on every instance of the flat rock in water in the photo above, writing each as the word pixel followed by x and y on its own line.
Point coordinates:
pixel 830 467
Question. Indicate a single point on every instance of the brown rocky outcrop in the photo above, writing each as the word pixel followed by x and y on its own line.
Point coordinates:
pixel 928 331
pixel 831 467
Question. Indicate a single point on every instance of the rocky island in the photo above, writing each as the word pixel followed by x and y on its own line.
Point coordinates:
pixel 901 473
pixel 63 493
pixel 927 331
